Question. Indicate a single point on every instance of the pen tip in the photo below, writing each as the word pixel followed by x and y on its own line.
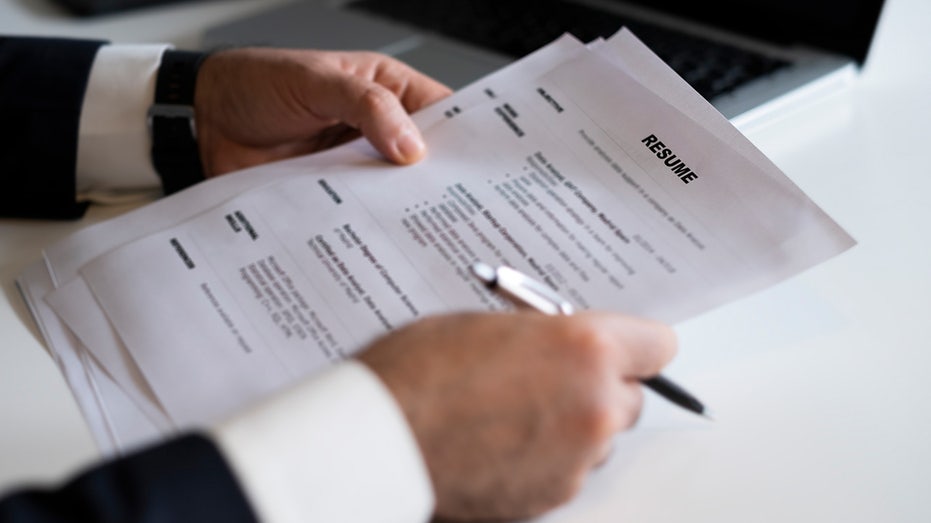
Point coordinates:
pixel 707 414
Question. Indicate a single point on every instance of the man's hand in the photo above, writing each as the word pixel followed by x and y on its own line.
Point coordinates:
pixel 512 410
pixel 258 105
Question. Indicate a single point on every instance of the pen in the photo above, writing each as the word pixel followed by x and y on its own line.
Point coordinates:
pixel 524 290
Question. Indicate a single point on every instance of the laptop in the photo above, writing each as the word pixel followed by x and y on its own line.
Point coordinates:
pixel 751 59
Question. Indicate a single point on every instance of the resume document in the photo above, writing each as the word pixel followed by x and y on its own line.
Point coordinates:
pixel 592 168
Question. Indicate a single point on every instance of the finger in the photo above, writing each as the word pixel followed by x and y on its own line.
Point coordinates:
pixel 378 113
pixel 415 89
pixel 423 93
pixel 626 403
pixel 641 347
pixel 629 400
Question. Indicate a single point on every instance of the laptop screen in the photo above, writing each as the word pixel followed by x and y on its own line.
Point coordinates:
pixel 842 26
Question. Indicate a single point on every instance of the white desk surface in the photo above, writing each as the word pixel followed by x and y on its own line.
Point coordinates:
pixel 820 384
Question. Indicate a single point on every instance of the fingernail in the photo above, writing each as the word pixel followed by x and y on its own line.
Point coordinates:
pixel 410 146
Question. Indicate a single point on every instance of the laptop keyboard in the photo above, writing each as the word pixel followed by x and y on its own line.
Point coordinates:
pixel 518 27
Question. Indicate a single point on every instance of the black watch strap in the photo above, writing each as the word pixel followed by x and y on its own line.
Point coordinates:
pixel 175 154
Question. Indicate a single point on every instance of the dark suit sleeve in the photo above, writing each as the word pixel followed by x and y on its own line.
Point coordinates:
pixel 184 480
pixel 42 83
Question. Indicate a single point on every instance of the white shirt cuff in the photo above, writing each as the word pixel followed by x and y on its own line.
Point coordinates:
pixel 334 448
pixel 113 137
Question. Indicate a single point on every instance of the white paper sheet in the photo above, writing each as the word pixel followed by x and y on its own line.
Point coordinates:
pixel 34 283
pixel 96 334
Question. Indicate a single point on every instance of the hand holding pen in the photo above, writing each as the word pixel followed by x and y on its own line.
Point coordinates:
pixel 523 290
pixel 512 411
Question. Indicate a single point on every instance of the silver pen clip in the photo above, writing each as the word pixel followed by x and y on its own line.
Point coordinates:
pixel 522 290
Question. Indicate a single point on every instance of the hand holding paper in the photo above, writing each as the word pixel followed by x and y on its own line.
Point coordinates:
pixel 317 99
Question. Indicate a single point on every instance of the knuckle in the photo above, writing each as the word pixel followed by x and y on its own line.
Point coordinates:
pixel 587 341
pixel 375 100
pixel 603 415
pixel 597 421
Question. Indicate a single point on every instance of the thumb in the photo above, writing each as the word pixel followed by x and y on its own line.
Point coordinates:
pixel 378 113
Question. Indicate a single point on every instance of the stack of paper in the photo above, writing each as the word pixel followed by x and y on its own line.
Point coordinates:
pixel 593 168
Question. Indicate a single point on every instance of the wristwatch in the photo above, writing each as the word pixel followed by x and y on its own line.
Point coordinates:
pixel 175 154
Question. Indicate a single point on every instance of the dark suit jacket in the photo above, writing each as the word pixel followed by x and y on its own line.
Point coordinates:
pixel 184 480
pixel 42 84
